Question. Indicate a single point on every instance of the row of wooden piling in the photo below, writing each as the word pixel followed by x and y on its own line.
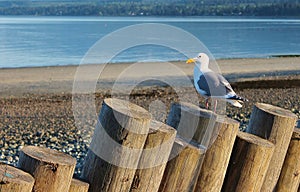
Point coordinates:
pixel 195 150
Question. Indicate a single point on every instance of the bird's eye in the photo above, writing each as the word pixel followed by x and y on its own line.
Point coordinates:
pixel 199 56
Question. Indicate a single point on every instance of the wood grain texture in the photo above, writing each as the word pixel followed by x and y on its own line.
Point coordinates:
pixel 15 180
pixel 116 146
pixel 193 122
pixel 217 157
pixel 154 157
pixel 290 174
pixel 276 125
pixel 248 164
pixel 182 169
pixel 51 169
pixel 78 186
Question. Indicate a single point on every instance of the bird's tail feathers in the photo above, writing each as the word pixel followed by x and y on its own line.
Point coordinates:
pixel 238 98
pixel 235 103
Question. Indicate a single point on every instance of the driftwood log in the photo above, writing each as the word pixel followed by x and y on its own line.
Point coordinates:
pixel 248 164
pixel 116 146
pixel 216 159
pixel 154 157
pixel 182 169
pixel 15 180
pixel 276 125
pixel 51 169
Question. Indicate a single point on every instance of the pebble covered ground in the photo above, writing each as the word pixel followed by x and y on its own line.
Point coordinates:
pixel 48 120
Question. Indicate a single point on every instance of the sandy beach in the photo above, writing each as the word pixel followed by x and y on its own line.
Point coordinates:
pixel 36 103
pixel 59 79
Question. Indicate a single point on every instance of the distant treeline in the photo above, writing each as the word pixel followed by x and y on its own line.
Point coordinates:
pixel 156 9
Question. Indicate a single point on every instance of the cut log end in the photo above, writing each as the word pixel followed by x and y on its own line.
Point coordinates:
pixel 192 122
pixel 52 170
pixel 275 110
pixel 181 144
pixel 255 139
pixel 48 155
pixel 194 109
pixel 13 178
pixel 227 121
pixel 160 136
pixel 78 186
pixel 12 174
pixel 187 107
pixel 127 108
pixel 164 128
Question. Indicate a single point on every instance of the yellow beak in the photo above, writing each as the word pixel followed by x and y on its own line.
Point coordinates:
pixel 190 61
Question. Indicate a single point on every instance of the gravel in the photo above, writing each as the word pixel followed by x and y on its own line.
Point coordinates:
pixel 48 121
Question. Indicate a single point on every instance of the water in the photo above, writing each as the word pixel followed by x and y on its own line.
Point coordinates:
pixel 49 41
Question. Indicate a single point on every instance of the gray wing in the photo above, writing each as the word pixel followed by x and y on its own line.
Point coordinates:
pixel 214 84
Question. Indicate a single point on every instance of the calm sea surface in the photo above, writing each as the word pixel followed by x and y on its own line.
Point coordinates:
pixel 48 41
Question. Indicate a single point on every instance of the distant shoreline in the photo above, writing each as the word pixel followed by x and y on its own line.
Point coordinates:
pixel 125 8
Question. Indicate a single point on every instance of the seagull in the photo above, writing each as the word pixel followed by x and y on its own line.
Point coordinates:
pixel 212 85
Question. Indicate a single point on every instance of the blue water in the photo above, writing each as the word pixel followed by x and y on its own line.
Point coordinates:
pixel 48 41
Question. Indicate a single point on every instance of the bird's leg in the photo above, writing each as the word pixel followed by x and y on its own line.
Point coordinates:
pixel 215 106
pixel 206 103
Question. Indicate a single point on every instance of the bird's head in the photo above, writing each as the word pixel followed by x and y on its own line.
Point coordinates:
pixel 201 58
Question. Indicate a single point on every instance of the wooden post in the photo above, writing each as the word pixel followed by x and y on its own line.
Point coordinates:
pixel 290 174
pixel 116 147
pixel 52 170
pixel 216 159
pixel 15 180
pixel 276 125
pixel 192 122
pixel 181 171
pixel 248 164
pixel 154 157
pixel 78 186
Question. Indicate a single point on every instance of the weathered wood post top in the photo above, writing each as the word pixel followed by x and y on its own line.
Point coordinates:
pixel 15 180
pixel 53 170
